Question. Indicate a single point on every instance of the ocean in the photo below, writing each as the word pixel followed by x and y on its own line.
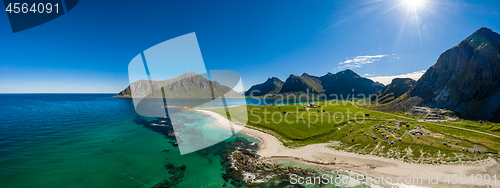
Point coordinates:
pixel 95 140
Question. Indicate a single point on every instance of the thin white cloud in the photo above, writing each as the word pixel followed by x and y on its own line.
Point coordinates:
pixel 358 61
pixel 387 79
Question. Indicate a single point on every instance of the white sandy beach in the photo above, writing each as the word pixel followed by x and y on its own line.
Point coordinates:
pixel 373 166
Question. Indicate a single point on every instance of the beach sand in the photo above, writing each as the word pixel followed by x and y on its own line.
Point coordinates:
pixel 372 166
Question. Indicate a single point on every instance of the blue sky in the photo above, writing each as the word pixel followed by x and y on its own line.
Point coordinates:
pixel 89 48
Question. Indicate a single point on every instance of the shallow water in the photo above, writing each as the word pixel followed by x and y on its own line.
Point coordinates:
pixel 91 140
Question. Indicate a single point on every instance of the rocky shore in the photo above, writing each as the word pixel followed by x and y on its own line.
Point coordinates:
pixel 255 170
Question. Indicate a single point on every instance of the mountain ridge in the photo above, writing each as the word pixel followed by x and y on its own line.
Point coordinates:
pixel 341 83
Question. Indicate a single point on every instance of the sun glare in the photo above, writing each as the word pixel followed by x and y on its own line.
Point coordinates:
pixel 414 3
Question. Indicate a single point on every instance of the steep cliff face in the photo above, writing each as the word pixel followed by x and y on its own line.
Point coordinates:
pixel 188 85
pixel 271 86
pixel 466 78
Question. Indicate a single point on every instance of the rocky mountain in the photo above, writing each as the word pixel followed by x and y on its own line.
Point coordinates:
pixel 348 82
pixel 187 85
pixel 300 84
pixel 395 89
pixel 271 86
pixel 342 83
pixel 466 78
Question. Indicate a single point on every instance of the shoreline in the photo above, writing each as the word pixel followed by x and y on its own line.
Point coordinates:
pixel 272 148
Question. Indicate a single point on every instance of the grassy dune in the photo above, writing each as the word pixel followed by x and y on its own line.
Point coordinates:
pixel 328 122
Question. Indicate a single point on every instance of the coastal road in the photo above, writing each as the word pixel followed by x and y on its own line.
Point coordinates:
pixel 464 129
pixel 496 136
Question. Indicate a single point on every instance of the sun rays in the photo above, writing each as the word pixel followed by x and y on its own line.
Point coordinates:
pixel 413 7
pixel 414 3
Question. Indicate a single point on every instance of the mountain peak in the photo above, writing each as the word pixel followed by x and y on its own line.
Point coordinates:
pixel 402 80
pixel 273 79
pixel 188 74
pixel 348 72
pixel 487 33
pixel 484 30
pixel 270 86
pixel 305 74
pixel 482 36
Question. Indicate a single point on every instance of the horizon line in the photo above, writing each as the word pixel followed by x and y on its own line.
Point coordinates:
pixel 54 93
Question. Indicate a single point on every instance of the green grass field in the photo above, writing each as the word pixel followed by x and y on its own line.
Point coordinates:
pixel 353 129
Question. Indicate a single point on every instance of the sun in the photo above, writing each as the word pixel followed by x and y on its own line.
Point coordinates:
pixel 414 3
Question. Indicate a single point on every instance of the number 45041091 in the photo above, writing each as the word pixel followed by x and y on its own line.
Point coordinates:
pixel 35 8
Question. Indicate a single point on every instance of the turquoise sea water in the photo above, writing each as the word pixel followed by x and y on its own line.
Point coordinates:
pixel 91 140
pixel 95 140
